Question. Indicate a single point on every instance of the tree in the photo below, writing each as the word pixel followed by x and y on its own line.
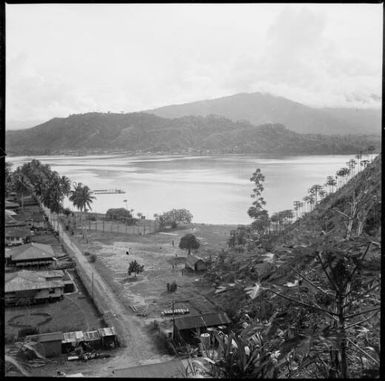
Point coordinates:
pixel 135 267
pixel 82 198
pixel 343 173
pixel 120 214
pixel 21 184
pixel 174 217
pixel 331 183
pixel 189 242
pixel 315 190
pixel 256 211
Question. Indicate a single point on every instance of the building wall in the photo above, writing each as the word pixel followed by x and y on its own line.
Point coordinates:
pixel 200 266
pixel 50 293
pixel 52 348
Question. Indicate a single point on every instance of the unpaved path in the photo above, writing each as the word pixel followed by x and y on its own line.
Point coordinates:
pixel 139 346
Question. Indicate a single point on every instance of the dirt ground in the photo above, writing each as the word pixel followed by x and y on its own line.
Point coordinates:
pixel 147 292
pixel 163 263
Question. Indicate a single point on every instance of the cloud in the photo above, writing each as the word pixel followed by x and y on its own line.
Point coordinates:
pixel 61 61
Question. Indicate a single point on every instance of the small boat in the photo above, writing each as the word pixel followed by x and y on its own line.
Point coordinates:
pixel 108 191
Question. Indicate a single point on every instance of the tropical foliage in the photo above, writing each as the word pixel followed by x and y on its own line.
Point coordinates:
pixel 174 217
pixel 189 242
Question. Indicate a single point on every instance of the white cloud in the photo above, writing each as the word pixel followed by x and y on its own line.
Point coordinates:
pixel 64 59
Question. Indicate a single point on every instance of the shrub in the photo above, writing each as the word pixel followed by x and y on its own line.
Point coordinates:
pixel 92 258
pixel 120 214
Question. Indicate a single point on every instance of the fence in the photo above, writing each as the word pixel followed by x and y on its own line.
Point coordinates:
pixel 142 227
pixel 100 301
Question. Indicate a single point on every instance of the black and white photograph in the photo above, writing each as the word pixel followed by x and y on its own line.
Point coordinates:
pixel 192 190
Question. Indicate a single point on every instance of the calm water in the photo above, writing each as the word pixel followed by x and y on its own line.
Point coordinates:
pixel 216 189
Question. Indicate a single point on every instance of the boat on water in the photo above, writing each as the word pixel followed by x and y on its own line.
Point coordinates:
pixel 108 191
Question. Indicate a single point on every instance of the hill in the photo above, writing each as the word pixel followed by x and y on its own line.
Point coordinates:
pixel 142 132
pixel 315 294
pixel 258 108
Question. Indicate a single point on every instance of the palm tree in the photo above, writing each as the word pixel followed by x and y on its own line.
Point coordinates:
pixel 81 197
pixel 21 184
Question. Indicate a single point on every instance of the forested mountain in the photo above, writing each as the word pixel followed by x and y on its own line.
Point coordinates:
pixel 258 108
pixel 142 132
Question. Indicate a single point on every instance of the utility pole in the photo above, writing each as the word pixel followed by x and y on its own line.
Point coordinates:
pixel 92 287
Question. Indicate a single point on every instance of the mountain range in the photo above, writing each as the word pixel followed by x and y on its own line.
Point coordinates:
pixel 144 132
pixel 261 108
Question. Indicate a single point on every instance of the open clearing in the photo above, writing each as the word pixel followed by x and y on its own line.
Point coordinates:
pixel 163 263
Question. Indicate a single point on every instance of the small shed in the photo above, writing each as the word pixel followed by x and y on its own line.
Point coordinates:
pixel 51 342
pixel 92 339
pixel 108 337
pixel 169 369
pixel 187 327
pixel 195 263
pixel 71 340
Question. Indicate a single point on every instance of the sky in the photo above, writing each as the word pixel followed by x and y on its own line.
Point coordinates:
pixel 64 59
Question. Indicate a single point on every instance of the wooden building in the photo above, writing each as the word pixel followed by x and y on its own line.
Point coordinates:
pixel 30 287
pixel 50 342
pixel 195 263
pixel 187 327
pixel 31 254
pixel 15 236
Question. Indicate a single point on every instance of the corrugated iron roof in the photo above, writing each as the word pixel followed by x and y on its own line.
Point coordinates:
pixel 173 368
pixel 19 232
pixel 91 335
pixel 107 331
pixel 46 337
pixel 29 280
pixel 205 320
pixel 73 337
pixel 32 251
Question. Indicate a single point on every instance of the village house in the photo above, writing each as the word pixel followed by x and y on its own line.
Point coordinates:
pixel 195 263
pixel 186 328
pixel 15 236
pixel 31 254
pixel 30 287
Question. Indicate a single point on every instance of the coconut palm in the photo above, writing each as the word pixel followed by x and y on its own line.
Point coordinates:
pixel 21 184
pixel 81 197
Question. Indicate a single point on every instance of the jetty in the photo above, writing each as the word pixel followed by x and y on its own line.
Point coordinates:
pixel 108 191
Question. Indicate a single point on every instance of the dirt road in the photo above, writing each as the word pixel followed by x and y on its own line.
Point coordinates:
pixel 140 346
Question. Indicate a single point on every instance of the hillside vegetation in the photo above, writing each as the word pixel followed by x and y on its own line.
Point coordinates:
pixel 259 108
pixel 311 294
pixel 141 132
